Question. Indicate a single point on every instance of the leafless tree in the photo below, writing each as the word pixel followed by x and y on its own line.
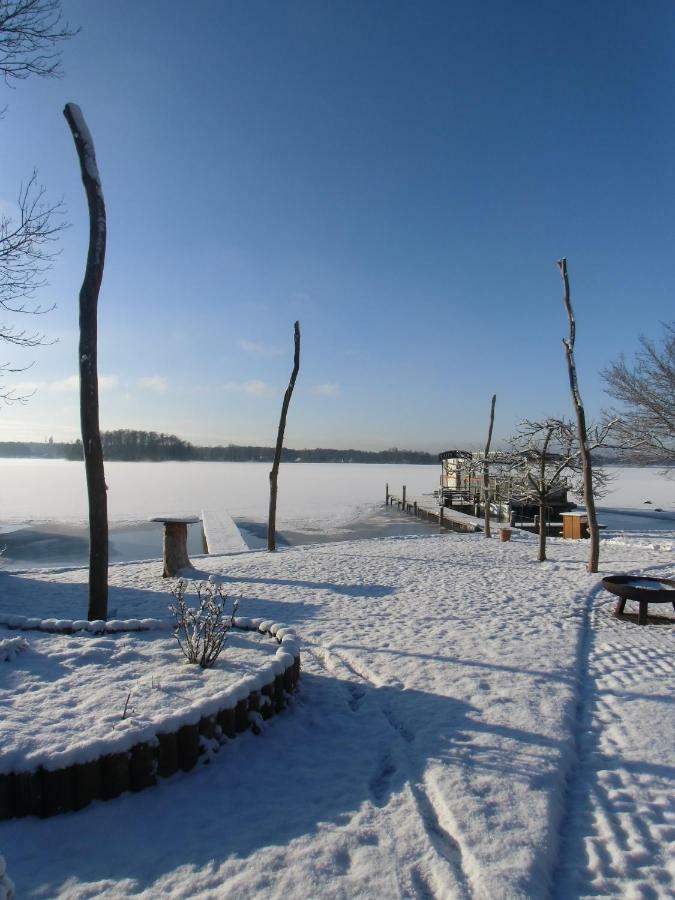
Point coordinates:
pixel 88 359
pixel 274 473
pixel 486 468
pixel 27 248
pixel 30 34
pixel 545 460
pixel 646 389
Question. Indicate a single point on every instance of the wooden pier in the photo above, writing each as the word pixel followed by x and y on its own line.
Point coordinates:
pixel 220 533
pixel 427 507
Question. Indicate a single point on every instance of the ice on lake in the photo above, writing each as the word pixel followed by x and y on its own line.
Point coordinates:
pixel 317 503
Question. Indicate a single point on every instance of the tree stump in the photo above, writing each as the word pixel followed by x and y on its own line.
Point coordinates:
pixel 175 543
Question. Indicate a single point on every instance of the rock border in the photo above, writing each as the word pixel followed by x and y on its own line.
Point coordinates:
pixel 71 626
pixel 175 743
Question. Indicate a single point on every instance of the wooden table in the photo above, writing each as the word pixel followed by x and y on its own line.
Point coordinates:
pixel 175 543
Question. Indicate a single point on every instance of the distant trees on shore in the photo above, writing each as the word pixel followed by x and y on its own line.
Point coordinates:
pixel 128 445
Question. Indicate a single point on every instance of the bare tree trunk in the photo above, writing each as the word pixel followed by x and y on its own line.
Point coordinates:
pixel 587 468
pixel 274 474
pixel 486 469
pixel 91 435
pixel 542 491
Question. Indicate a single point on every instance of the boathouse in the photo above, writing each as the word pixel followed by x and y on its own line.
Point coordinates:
pixel 461 487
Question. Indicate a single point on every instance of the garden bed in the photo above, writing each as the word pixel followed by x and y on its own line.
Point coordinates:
pixel 89 715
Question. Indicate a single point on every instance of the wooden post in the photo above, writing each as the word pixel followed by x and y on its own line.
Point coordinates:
pixel 587 469
pixel 175 549
pixel 386 494
pixel 274 473
pixel 415 507
pixel 91 435
pixel 403 499
pixel 440 517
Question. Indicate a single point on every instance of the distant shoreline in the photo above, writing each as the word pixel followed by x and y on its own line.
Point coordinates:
pixel 317 462
pixel 126 445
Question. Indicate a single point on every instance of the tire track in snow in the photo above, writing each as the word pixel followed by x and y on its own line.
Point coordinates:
pixel 431 815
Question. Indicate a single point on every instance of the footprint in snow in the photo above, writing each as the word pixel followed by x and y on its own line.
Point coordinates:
pixel 357 695
pixel 381 780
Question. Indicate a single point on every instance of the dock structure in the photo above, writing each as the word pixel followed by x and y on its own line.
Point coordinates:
pixel 220 533
pixel 427 507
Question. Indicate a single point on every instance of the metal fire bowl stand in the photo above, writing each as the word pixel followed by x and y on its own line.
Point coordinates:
pixel 627 587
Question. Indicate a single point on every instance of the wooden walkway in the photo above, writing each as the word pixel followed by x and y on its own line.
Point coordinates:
pixel 426 507
pixel 221 535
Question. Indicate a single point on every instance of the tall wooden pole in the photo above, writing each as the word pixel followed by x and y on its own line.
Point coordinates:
pixel 587 468
pixel 89 419
pixel 274 473
pixel 486 469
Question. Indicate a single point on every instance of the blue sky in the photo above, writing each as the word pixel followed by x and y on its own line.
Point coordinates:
pixel 400 177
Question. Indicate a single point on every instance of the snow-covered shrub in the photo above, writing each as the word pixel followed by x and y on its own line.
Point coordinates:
pixel 6 884
pixel 201 632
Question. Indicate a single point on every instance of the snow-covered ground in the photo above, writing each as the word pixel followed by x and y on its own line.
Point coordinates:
pixel 72 698
pixel 469 724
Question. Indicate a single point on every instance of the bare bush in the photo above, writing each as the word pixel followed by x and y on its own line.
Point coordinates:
pixel 201 632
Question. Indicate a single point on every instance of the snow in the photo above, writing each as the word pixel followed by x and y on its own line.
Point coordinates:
pixel 633 487
pixel 11 647
pixel 63 702
pixel 313 495
pixel 177 520
pixel 220 532
pixel 649 584
pixel 469 723
pixel 6 883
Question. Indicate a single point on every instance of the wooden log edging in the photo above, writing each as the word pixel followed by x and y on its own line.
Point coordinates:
pixel 177 742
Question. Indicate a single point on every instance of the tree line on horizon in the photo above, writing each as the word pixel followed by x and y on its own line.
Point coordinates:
pixel 130 445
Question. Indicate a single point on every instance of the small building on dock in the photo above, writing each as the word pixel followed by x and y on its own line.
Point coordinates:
pixel 462 487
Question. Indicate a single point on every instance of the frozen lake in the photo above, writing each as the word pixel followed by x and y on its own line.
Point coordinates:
pixel 317 502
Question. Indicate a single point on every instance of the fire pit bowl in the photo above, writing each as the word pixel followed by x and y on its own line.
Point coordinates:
pixel 643 589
